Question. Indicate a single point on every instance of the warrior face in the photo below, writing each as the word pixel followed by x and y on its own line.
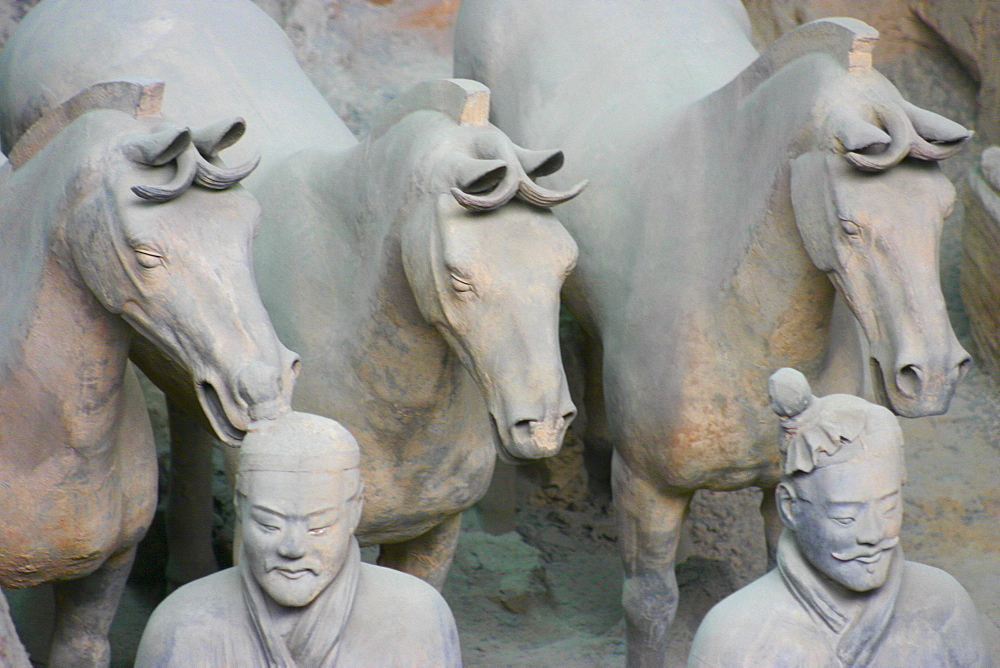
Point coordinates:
pixel 297 529
pixel 846 518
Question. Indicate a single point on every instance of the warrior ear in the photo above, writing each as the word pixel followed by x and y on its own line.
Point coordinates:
pixel 356 504
pixel 785 498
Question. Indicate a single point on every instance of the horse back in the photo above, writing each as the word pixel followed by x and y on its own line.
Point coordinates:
pixel 551 64
pixel 220 59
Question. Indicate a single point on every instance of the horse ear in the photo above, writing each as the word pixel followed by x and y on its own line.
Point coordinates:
pixel 160 147
pixel 857 135
pixel 474 175
pixel 539 163
pixel 934 127
pixel 210 139
pixel 937 137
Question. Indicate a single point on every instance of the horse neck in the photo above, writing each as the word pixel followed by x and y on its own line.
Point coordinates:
pixel 774 291
pixel 367 200
pixel 69 366
pixel 65 354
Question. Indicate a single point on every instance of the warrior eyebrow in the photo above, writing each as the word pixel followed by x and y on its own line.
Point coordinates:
pixel 269 511
pixel 323 511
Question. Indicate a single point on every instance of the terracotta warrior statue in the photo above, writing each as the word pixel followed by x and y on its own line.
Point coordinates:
pixel 842 594
pixel 300 595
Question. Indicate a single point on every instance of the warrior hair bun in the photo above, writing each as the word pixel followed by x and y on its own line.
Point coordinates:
pixel 790 392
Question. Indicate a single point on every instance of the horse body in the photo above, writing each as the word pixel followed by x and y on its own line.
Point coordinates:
pixel 180 42
pixel 422 319
pixel 720 222
pixel 417 288
pixel 374 362
pixel 100 247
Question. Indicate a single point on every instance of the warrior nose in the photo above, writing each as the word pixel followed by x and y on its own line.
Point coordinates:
pixel 869 529
pixel 293 544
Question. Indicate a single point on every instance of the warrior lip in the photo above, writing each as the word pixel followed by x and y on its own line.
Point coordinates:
pixel 871 558
pixel 293 574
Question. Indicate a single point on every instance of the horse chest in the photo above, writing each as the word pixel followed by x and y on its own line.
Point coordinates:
pixel 71 497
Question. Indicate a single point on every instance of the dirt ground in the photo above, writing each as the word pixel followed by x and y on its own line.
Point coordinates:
pixel 549 592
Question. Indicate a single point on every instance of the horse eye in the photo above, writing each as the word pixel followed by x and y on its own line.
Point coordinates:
pixel 850 228
pixel 148 259
pixel 459 285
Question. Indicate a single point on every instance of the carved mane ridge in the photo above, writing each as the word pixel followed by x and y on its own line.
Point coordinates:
pixel 465 101
pixel 847 40
pixel 136 96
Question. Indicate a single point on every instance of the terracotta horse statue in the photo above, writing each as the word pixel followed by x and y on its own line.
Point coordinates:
pixel 732 196
pixel 418 271
pixel 114 224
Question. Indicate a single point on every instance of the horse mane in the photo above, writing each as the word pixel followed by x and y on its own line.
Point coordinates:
pixel 135 96
pixel 465 101
pixel 900 130
pixel 848 41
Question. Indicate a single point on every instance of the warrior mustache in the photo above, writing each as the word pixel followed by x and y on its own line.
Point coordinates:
pixel 867 552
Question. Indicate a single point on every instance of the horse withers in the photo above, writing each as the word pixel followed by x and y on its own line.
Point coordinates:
pixel 115 223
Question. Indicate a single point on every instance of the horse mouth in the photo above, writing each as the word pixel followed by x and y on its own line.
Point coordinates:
pixel 878 383
pixel 502 452
pixel 211 404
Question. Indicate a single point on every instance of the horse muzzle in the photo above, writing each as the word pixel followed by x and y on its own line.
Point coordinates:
pixel 527 439
pixel 918 388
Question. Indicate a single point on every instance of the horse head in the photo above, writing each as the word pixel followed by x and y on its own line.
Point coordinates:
pixel 486 260
pixel 870 203
pixel 174 260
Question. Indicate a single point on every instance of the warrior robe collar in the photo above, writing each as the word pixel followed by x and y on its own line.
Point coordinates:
pixel 858 638
pixel 315 637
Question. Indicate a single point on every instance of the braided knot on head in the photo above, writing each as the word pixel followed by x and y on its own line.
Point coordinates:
pixel 823 431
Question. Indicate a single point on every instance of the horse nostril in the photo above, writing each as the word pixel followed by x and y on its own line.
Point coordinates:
pixel 963 368
pixel 909 381
pixel 521 431
pixel 568 417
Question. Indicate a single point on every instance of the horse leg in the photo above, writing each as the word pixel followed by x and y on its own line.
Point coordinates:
pixel 428 556
pixel 12 652
pixel 84 611
pixel 649 525
pixel 497 510
pixel 189 502
pixel 597 441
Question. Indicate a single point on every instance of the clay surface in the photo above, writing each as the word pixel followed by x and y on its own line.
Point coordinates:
pixel 842 592
pixel 300 595
pixel 549 593
pixel 685 307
